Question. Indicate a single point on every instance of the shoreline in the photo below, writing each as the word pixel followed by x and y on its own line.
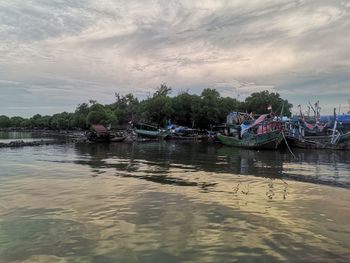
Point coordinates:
pixel 62 137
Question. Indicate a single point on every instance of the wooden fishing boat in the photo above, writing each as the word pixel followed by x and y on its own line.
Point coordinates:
pixel 339 138
pixel 270 140
pixel 314 144
pixel 337 142
pixel 262 133
pixel 194 137
pixel 152 134
pixel 118 136
pixel 117 139
pixel 186 134
pixel 98 133
pixel 148 131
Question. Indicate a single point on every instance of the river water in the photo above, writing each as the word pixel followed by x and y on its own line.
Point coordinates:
pixel 173 202
pixel 6 137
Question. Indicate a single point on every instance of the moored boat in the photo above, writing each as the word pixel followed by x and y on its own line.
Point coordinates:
pixel 335 139
pixel 118 136
pixel 262 133
pixel 117 139
pixel 270 140
pixel 186 134
pixel 148 131
pixel 315 144
pixel 98 133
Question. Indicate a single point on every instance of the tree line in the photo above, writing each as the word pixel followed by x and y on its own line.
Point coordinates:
pixel 198 111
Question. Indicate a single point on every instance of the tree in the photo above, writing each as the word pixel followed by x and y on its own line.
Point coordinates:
pixel 16 121
pixel 100 114
pixel 210 108
pixel 83 108
pixel 163 90
pixel 227 105
pixel 208 112
pixel 4 121
pixel 80 115
pixel 183 109
pixel 79 121
pixel 61 121
pixel 26 123
pixel 157 109
pixel 96 117
pixel 126 108
pixel 258 102
pixel 36 120
pixel 41 121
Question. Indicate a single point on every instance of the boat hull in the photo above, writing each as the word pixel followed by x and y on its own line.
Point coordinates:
pixel 117 139
pixel 268 141
pixel 152 134
pixel 314 144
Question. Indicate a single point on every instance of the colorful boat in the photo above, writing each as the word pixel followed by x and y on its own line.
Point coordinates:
pixel 336 142
pixel 262 133
pixel 269 140
pixel 314 144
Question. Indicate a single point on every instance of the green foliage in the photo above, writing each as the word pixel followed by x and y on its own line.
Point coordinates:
pixel 40 121
pixel 16 121
pixel 157 109
pixel 4 121
pixel 227 105
pixel 198 111
pixel 61 121
pixel 258 102
pixel 26 123
pixel 126 108
pixel 209 112
pixel 79 121
pixel 80 115
pixel 163 90
pixel 183 106
pixel 100 114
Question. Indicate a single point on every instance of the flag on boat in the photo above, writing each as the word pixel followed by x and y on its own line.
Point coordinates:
pixel 269 107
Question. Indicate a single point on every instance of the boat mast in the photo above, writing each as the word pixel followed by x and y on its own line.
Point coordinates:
pixel 335 125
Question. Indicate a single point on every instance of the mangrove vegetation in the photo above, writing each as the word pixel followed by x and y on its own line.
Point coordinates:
pixel 198 111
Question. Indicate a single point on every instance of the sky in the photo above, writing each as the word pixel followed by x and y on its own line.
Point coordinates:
pixel 55 54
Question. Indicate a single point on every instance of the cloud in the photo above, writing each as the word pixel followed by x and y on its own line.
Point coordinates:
pixel 76 50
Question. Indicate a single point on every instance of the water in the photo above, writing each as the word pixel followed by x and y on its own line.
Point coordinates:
pixel 172 202
pixel 6 137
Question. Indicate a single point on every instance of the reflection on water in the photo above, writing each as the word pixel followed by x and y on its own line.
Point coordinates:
pixel 172 202
pixel 157 160
pixel 6 137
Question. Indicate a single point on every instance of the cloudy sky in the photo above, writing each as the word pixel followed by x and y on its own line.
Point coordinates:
pixel 55 54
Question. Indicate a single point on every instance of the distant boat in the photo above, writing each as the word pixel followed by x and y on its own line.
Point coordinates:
pixel 149 131
pixel 315 144
pixel 338 142
pixel 336 138
pixel 186 134
pixel 117 139
pixel 98 133
pixel 118 136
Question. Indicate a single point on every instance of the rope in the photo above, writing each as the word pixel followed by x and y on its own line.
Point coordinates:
pixel 288 146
